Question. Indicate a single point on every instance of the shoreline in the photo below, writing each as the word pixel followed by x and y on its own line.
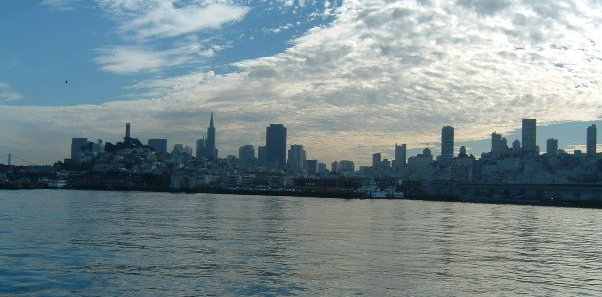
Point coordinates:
pixel 330 194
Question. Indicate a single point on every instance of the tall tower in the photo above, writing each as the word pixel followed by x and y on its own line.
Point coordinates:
pixel 78 145
pixel 592 132
pixel 210 141
pixel 127 131
pixel 529 136
pixel 447 145
pixel 275 143
pixel 296 159
pixel 400 155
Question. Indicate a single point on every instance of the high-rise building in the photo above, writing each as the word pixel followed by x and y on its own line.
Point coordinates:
pixel 345 166
pixel 312 167
pixel 321 168
pixel 447 145
pixel 261 155
pixel 592 132
pixel 376 160
pixel 78 146
pixel 529 140
pixel 552 147
pixel 178 149
pixel 246 155
pixel 200 147
pixel 159 145
pixel 499 145
pixel 334 167
pixel 400 155
pixel 296 159
pixel 275 142
pixel 206 147
pixel 210 141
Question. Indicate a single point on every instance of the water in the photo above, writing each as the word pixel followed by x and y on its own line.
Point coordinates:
pixel 86 243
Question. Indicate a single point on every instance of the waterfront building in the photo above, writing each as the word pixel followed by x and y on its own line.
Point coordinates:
pixel 591 140
pixel 529 133
pixel 552 147
pixel 447 145
pixel 78 147
pixel 400 155
pixel 200 147
pixel 275 142
pixel 158 145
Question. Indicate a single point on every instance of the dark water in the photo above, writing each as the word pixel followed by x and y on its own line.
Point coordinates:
pixel 77 243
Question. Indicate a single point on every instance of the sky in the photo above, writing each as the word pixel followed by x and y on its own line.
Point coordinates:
pixel 347 78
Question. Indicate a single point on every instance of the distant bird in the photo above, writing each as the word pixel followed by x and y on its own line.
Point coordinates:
pixel 66 81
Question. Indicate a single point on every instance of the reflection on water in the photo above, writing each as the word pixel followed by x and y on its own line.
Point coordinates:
pixel 61 243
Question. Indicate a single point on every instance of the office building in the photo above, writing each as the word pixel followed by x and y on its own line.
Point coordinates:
pixel 592 132
pixel 296 159
pixel 261 155
pixel 158 145
pixel 400 155
pixel 447 145
pixel 376 160
pixel 127 131
pixel 206 147
pixel 529 141
pixel 275 142
pixel 312 167
pixel 246 155
pixel 78 147
pixel 552 147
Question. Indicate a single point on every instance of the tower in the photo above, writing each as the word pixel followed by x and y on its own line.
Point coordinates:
pixel 529 141
pixel 275 143
pixel 447 145
pixel 592 132
pixel 127 131
pixel 400 155
pixel 552 147
pixel 211 151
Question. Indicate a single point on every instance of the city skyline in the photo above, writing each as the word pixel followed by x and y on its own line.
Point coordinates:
pixel 347 78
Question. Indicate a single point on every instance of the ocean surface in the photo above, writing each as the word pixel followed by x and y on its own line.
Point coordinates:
pixel 88 243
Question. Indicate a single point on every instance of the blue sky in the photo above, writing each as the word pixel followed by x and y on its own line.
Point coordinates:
pixel 348 78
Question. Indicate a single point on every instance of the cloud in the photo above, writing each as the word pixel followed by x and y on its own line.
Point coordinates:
pixel 381 72
pixel 133 59
pixel 163 19
pixel 62 5
pixel 8 94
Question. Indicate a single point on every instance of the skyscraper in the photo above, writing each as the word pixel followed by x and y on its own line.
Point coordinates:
pixel 206 147
pixel 529 141
pixel 296 159
pixel 400 155
pixel 552 147
pixel 312 167
pixel 77 148
pixel 275 142
pixel 159 145
pixel 592 132
pixel 210 141
pixel 246 155
pixel 447 145
pixel 376 160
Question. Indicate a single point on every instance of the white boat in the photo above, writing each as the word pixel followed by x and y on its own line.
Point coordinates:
pixel 372 191
pixel 57 184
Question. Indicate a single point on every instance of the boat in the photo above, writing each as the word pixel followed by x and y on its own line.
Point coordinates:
pixel 372 191
pixel 57 184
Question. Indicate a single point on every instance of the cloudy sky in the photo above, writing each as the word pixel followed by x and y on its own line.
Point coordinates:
pixel 348 78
